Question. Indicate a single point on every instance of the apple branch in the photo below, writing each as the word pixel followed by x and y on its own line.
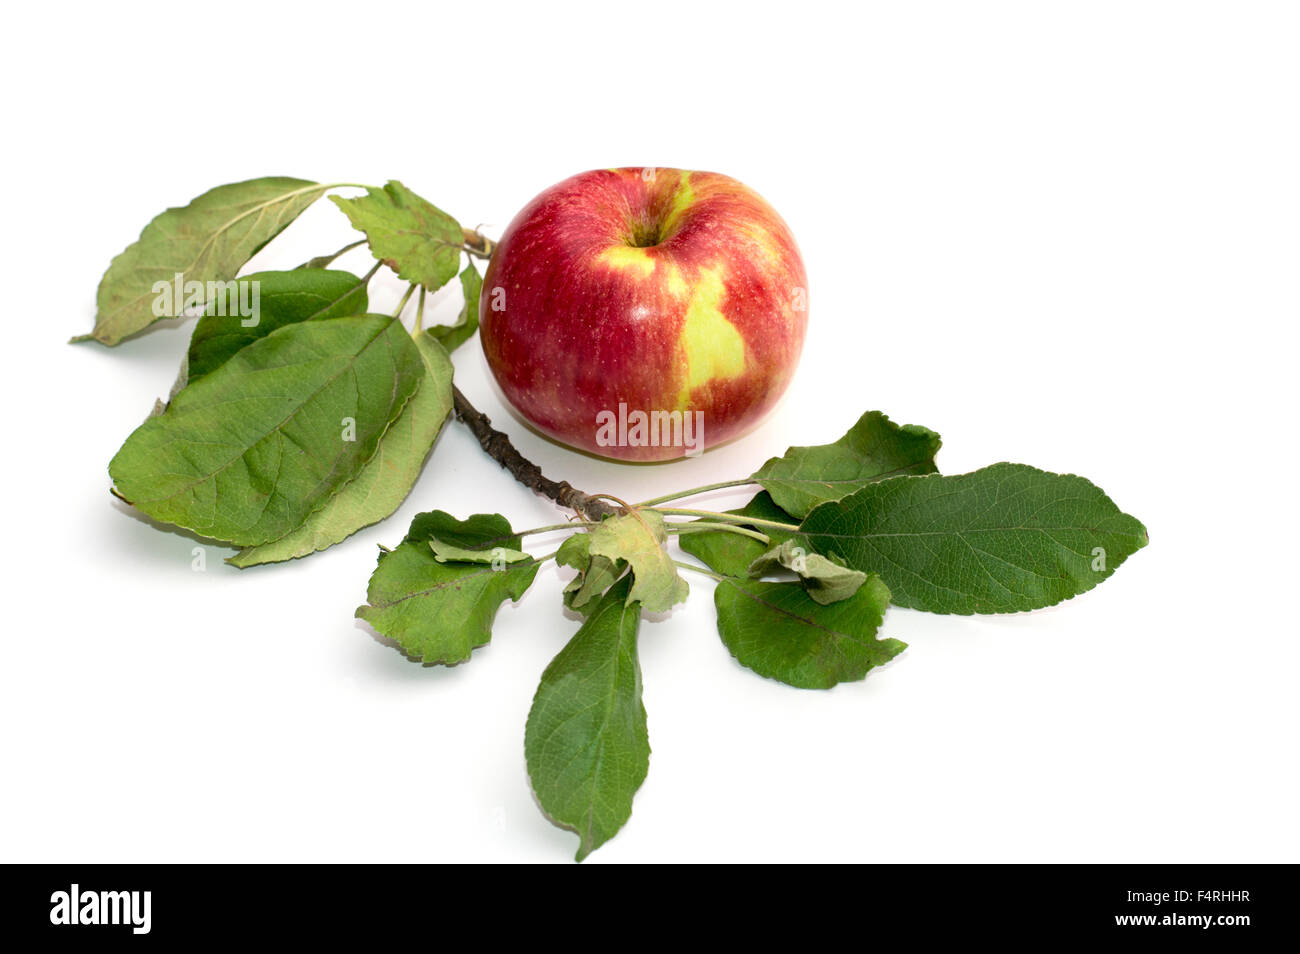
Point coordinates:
pixel 498 446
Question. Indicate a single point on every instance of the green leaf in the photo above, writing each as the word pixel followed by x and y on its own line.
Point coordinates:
pixel 249 451
pixel 284 298
pixel 596 574
pixel 575 551
pixel 208 240
pixel 384 480
pixel 586 743
pixel 730 553
pixel 410 235
pixel 825 580
pixel 441 612
pixel 1003 539
pixel 639 538
pixel 874 448
pixel 480 531
pixel 453 336
pixel 779 631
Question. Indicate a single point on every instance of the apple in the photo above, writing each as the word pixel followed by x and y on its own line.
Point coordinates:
pixel 643 313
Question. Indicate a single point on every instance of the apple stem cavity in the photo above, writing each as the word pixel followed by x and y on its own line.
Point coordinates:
pixel 645 235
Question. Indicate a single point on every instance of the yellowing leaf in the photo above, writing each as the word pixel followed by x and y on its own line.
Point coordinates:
pixel 638 538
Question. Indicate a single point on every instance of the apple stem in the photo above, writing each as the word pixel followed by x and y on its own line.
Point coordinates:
pixel 722 485
pixel 703 525
pixel 419 312
pixel 698 569
pixel 729 518
pixel 498 446
pixel 324 261
pixel 553 527
pixel 401 305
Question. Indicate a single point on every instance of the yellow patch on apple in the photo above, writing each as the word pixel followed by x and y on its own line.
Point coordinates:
pixel 711 346
pixel 677 286
pixel 624 257
pixel 763 241
pixel 683 199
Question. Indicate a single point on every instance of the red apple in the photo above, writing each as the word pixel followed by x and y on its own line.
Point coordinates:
pixel 645 314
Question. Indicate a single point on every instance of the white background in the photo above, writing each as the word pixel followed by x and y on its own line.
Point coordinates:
pixel 1064 235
